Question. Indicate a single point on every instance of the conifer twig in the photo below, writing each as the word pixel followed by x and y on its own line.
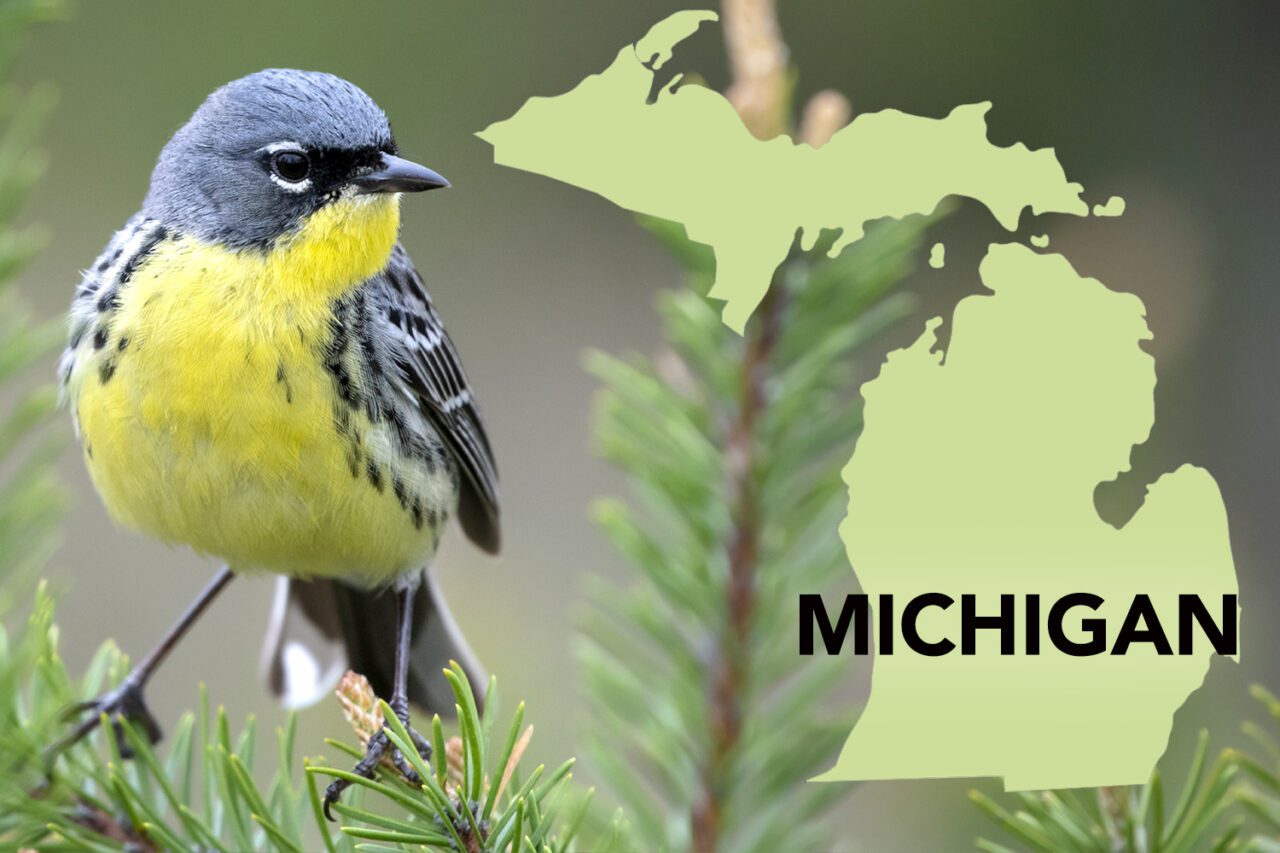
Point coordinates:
pixel 758 61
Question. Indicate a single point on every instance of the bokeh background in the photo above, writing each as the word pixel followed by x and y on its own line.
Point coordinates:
pixel 1173 105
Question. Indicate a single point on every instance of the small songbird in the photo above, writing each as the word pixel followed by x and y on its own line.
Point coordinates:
pixel 255 370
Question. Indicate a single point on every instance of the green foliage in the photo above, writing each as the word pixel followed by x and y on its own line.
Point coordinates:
pixel 1145 819
pixel 199 791
pixel 1260 793
pixel 1234 805
pixel 481 805
pixel 199 794
pixel 702 720
pixel 30 500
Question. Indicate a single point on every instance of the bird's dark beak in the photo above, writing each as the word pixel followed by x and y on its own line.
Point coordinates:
pixel 397 175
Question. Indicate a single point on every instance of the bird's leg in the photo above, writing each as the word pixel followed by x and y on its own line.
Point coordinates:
pixel 126 700
pixel 380 744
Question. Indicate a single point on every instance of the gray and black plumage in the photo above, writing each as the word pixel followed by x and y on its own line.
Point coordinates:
pixel 256 370
pixel 390 328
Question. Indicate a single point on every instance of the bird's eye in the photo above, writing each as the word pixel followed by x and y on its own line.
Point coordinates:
pixel 292 166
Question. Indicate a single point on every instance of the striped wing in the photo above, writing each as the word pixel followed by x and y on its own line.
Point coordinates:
pixel 431 365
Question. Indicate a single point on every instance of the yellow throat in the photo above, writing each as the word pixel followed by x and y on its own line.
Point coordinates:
pixel 217 428
pixel 336 248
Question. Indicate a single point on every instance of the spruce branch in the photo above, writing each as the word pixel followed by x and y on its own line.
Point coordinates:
pixel 201 790
pixel 94 799
pixel 471 797
pixel 1230 804
pixel 701 723
pixel 31 500
pixel 1259 793
pixel 1202 816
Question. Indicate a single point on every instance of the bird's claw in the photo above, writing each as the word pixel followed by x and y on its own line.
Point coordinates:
pixel 379 745
pixel 125 702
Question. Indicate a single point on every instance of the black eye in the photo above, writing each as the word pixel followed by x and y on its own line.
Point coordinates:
pixel 292 166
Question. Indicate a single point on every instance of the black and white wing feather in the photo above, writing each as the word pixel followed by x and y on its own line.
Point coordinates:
pixel 430 364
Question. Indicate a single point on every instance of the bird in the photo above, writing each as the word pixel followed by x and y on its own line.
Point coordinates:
pixel 255 370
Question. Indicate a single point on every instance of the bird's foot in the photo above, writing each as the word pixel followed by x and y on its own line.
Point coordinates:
pixel 379 746
pixel 125 702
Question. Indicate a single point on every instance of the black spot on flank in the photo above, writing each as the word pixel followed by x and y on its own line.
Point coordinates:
pixel 401 428
pixel 343 380
pixel 123 344
pixel 107 262
pixel 353 459
pixel 375 475
pixel 417 512
pixel 100 338
pixel 397 485
pixel 395 316
pixel 367 348
pixel 110 300
pixel 88 449
pixel 283 379
pixel 433 518
pixel 106 370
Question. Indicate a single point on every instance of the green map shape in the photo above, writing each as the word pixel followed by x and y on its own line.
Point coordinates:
pixel 973 475
pixel 688 157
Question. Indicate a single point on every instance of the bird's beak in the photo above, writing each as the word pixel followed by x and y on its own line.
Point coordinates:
pixel 397 175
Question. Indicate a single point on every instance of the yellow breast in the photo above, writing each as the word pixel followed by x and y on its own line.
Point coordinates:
pixel 215 424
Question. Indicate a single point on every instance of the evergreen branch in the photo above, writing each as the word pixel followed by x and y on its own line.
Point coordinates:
pixel 732 448
pixel 93 798
pixel 1259 795
pixel 1130 820
pixel 31 501
pixel 729 670
pixel 738 496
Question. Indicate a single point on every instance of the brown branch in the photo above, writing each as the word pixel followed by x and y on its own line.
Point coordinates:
pixel 730 665
pixel 758 61
pixel 112 829
pixel 761 93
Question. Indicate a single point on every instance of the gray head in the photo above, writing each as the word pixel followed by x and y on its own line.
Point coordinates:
pixel 264 152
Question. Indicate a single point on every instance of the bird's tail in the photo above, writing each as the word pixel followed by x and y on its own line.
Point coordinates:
pixel 320 628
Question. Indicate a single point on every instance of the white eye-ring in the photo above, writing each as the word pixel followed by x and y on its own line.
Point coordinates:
pixel 289 166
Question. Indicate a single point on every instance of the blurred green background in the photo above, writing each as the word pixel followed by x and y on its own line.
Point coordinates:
pixel 1172 105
